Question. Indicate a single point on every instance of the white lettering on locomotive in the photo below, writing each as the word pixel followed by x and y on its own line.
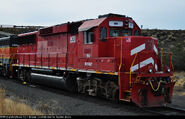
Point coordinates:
pixel 88 55
pixel 116 23
pixel 72 39
pixel 88 63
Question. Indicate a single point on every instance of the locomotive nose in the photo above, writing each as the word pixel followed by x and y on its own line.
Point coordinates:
pixel 142 54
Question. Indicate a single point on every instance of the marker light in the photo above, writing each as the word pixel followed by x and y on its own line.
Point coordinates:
pixel 168 70
pixel 150 70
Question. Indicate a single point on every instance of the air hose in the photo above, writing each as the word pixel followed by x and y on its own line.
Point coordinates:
pixel 153 87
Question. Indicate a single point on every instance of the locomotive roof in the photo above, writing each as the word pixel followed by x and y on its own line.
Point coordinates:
pixel 111 15
pixel 8 37
pixel 4 38
pixel 82 25
pixel 94 22
pixel 29 33
pixel 90 24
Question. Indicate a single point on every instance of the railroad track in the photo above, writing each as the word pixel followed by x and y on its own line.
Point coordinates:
pixel 166 111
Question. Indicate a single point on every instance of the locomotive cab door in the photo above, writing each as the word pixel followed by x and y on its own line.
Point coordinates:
pixel 87 50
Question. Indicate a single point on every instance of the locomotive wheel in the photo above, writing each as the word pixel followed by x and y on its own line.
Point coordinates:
pixel 24 75
pixel 14 74
pixel 5 73
pixel 21 75
pixel 116 96
pixel 28 76
pixel 71 82
pixel 85 90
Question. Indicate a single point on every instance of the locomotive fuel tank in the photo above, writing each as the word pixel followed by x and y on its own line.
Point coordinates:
pixel 60 82
pixel 49 80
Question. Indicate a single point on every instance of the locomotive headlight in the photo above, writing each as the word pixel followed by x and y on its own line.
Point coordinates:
pixel 150 70
pixel 168 70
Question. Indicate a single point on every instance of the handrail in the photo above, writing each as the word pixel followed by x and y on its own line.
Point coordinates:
pixel 121 56
pixel 35 60
pixel 10 66
pixel 41 59
pixel 130 81
pixel 29 60
pixel 48 60
pixel 173 67
pixel 23 59
pixel 57 60
pixel 164 64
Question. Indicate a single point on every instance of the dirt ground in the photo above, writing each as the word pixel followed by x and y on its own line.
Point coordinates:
pixel 57 102
pixel 178 99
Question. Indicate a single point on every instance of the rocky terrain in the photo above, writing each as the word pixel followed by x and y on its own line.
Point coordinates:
pixel 172 41
pixel 19 29
pixel 179 90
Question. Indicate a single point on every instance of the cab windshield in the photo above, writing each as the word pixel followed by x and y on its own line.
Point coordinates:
pixel 117 32
pixel 114 32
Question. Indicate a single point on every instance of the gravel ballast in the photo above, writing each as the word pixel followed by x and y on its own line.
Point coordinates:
pixel 58 102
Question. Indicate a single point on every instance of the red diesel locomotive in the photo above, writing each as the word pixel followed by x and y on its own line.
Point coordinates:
pixel 104 57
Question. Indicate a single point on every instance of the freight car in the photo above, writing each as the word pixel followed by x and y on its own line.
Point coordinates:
pixel 104 57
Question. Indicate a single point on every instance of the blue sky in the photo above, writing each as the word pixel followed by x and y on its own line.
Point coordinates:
pixel 161 14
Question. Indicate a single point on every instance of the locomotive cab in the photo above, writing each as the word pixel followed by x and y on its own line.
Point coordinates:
pixel 8 46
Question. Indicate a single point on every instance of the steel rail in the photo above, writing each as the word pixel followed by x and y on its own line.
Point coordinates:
pixel 166 111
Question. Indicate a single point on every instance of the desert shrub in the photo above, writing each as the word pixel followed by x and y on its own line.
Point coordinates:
pixel 10 107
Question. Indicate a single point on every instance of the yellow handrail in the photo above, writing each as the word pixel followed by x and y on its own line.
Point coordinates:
pixel 130 81
pixel 120 60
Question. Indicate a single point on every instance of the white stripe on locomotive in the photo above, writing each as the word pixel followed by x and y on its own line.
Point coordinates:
pixel 138 49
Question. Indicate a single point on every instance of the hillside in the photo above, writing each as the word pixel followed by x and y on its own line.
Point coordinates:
pixel 171 40
pixel 19 29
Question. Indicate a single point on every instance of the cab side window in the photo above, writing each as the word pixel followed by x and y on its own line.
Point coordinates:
pixel 88 37
pixel 136 33
pixel 103 33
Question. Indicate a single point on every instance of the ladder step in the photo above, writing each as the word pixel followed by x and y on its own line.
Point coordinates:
pixel 126 100
pixel 129 91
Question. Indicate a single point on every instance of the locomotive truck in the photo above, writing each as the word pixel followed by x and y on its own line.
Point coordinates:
pixel 104 57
